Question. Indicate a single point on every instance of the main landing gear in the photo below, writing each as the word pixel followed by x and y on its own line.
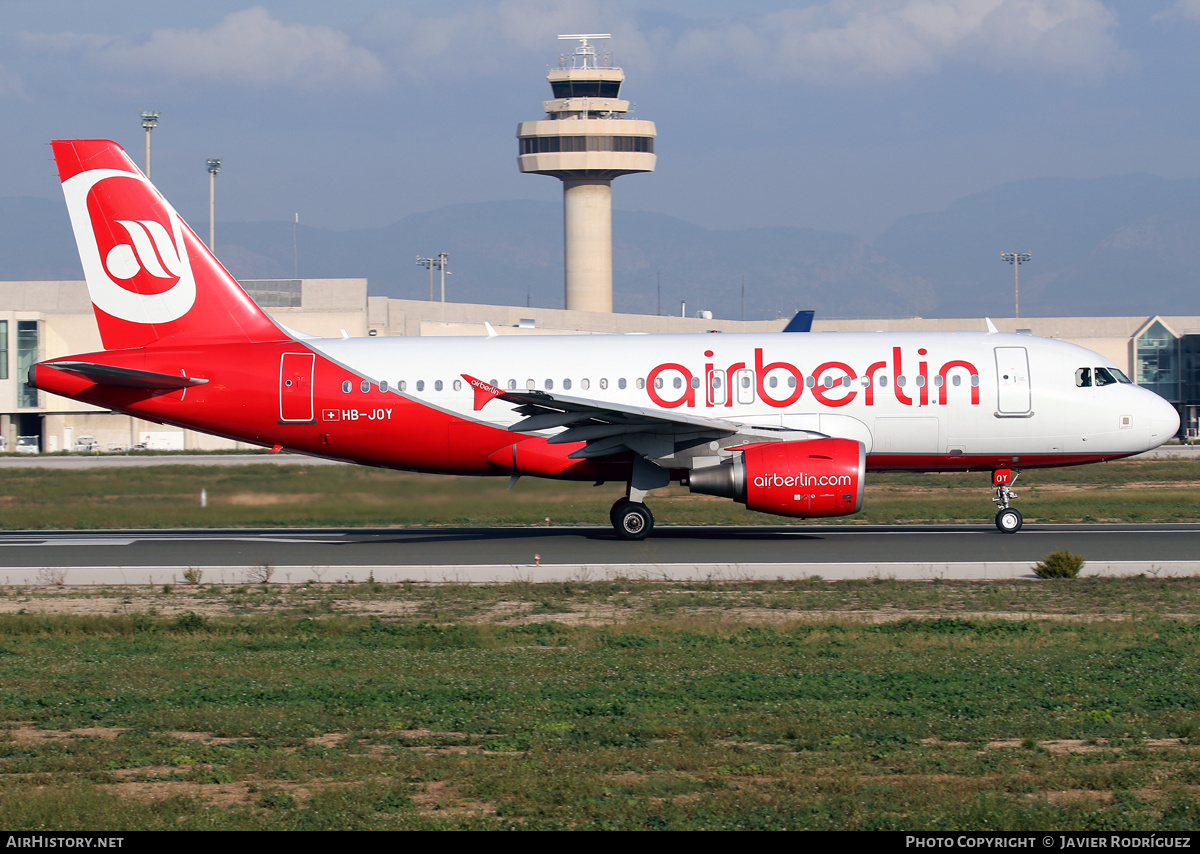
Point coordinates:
pixel 632 520
pixel 1008 519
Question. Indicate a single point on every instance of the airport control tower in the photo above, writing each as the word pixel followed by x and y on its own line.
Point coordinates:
pixel 585 141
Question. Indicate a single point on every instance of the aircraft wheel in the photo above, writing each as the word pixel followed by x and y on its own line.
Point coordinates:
pixel 632 520
pixel 1009 521
pixel 615 509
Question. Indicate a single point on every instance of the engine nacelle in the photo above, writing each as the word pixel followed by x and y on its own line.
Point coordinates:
pixel 813 478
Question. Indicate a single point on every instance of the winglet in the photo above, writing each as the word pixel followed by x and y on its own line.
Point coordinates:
pixel 992 330
pixel 491 333
pixel 484 393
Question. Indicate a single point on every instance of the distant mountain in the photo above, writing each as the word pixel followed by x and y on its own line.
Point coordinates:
pixel 506 252
pixel 1127 245
pixel 36 242
pixel 1110 246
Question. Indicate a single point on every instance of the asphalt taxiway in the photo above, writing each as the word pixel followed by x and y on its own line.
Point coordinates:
pixel 493 555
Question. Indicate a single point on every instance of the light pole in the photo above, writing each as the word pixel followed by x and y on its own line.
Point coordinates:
pixel 1016 259
pixel 438 263
pixel 149 122
pixel 214 166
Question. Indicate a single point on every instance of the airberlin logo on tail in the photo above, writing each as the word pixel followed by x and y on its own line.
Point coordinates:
pixel 150 244
pixel 131 245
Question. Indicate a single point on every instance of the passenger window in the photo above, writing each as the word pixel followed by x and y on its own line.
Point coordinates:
pixel 621 382
pixel 957 380
pixel 365 386
pixel 383 385
pixel 1083 378
pixel 773 381
pixel 603 382
pixel 641 383
pixel 566 385
pixel 716 381
pixel 938 381
pixel 346 387
pixel 420 385
pixel 585 384
pixel 530 384
pixel 974 380
pixel 901 381
pixel 882 381
pixel 549 385
pixel 403 385
pixel 437 386
pixel 920 381
pixel 695 382
pixel 810 381
pixel 828 382
pixel 458 385
pixel 512 385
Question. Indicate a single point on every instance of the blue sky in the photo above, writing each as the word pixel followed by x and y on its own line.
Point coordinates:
pixel 831 114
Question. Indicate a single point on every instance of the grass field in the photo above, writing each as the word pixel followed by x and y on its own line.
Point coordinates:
pixel 614 704
pixel 264 495
pixel 610 704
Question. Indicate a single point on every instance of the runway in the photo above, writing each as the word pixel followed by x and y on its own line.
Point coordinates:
pixel 497 555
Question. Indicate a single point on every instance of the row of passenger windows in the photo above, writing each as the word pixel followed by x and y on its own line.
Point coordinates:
pixel 555 144
pixel 1103 376
pixel 745 379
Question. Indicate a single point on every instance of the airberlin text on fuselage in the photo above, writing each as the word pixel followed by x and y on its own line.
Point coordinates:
pixel 835 395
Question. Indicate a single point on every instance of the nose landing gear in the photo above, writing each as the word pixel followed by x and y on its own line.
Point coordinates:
pixel 1008 519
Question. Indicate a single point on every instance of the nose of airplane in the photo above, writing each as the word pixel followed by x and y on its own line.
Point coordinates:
pixel 1164 420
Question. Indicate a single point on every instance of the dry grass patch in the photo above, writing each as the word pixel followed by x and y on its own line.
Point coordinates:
pixel 438 798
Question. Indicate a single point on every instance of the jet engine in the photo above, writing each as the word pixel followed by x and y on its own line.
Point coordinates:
pixel 813 478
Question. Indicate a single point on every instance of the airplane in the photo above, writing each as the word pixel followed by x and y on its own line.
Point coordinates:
pixel 785 423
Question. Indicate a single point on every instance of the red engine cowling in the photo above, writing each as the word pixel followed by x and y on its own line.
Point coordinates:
pixel 813 478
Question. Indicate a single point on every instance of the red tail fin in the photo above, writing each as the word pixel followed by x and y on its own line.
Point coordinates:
pixel 150 278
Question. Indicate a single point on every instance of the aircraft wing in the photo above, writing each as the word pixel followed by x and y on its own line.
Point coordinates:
pixel 610 428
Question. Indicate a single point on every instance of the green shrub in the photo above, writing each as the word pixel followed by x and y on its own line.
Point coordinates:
pixel 1060 564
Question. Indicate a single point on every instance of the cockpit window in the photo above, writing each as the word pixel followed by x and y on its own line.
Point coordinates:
pixel 1103 377
pixel 1121 378
pixel 1083 378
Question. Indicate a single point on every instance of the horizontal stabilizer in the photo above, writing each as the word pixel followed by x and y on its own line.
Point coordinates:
pixel 127 377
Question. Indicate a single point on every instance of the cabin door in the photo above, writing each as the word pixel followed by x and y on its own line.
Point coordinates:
pixel 1012 381
pixel 295 387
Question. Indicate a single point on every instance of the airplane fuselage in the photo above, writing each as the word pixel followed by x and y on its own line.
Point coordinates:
pixel 918 401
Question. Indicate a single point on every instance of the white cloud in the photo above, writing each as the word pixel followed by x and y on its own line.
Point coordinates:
pixel 248 47
pixel 497 39
pixel 845 40
pixel 11 84
pixel 1188 10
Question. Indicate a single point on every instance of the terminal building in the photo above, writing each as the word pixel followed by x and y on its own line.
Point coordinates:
pixel 46 320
